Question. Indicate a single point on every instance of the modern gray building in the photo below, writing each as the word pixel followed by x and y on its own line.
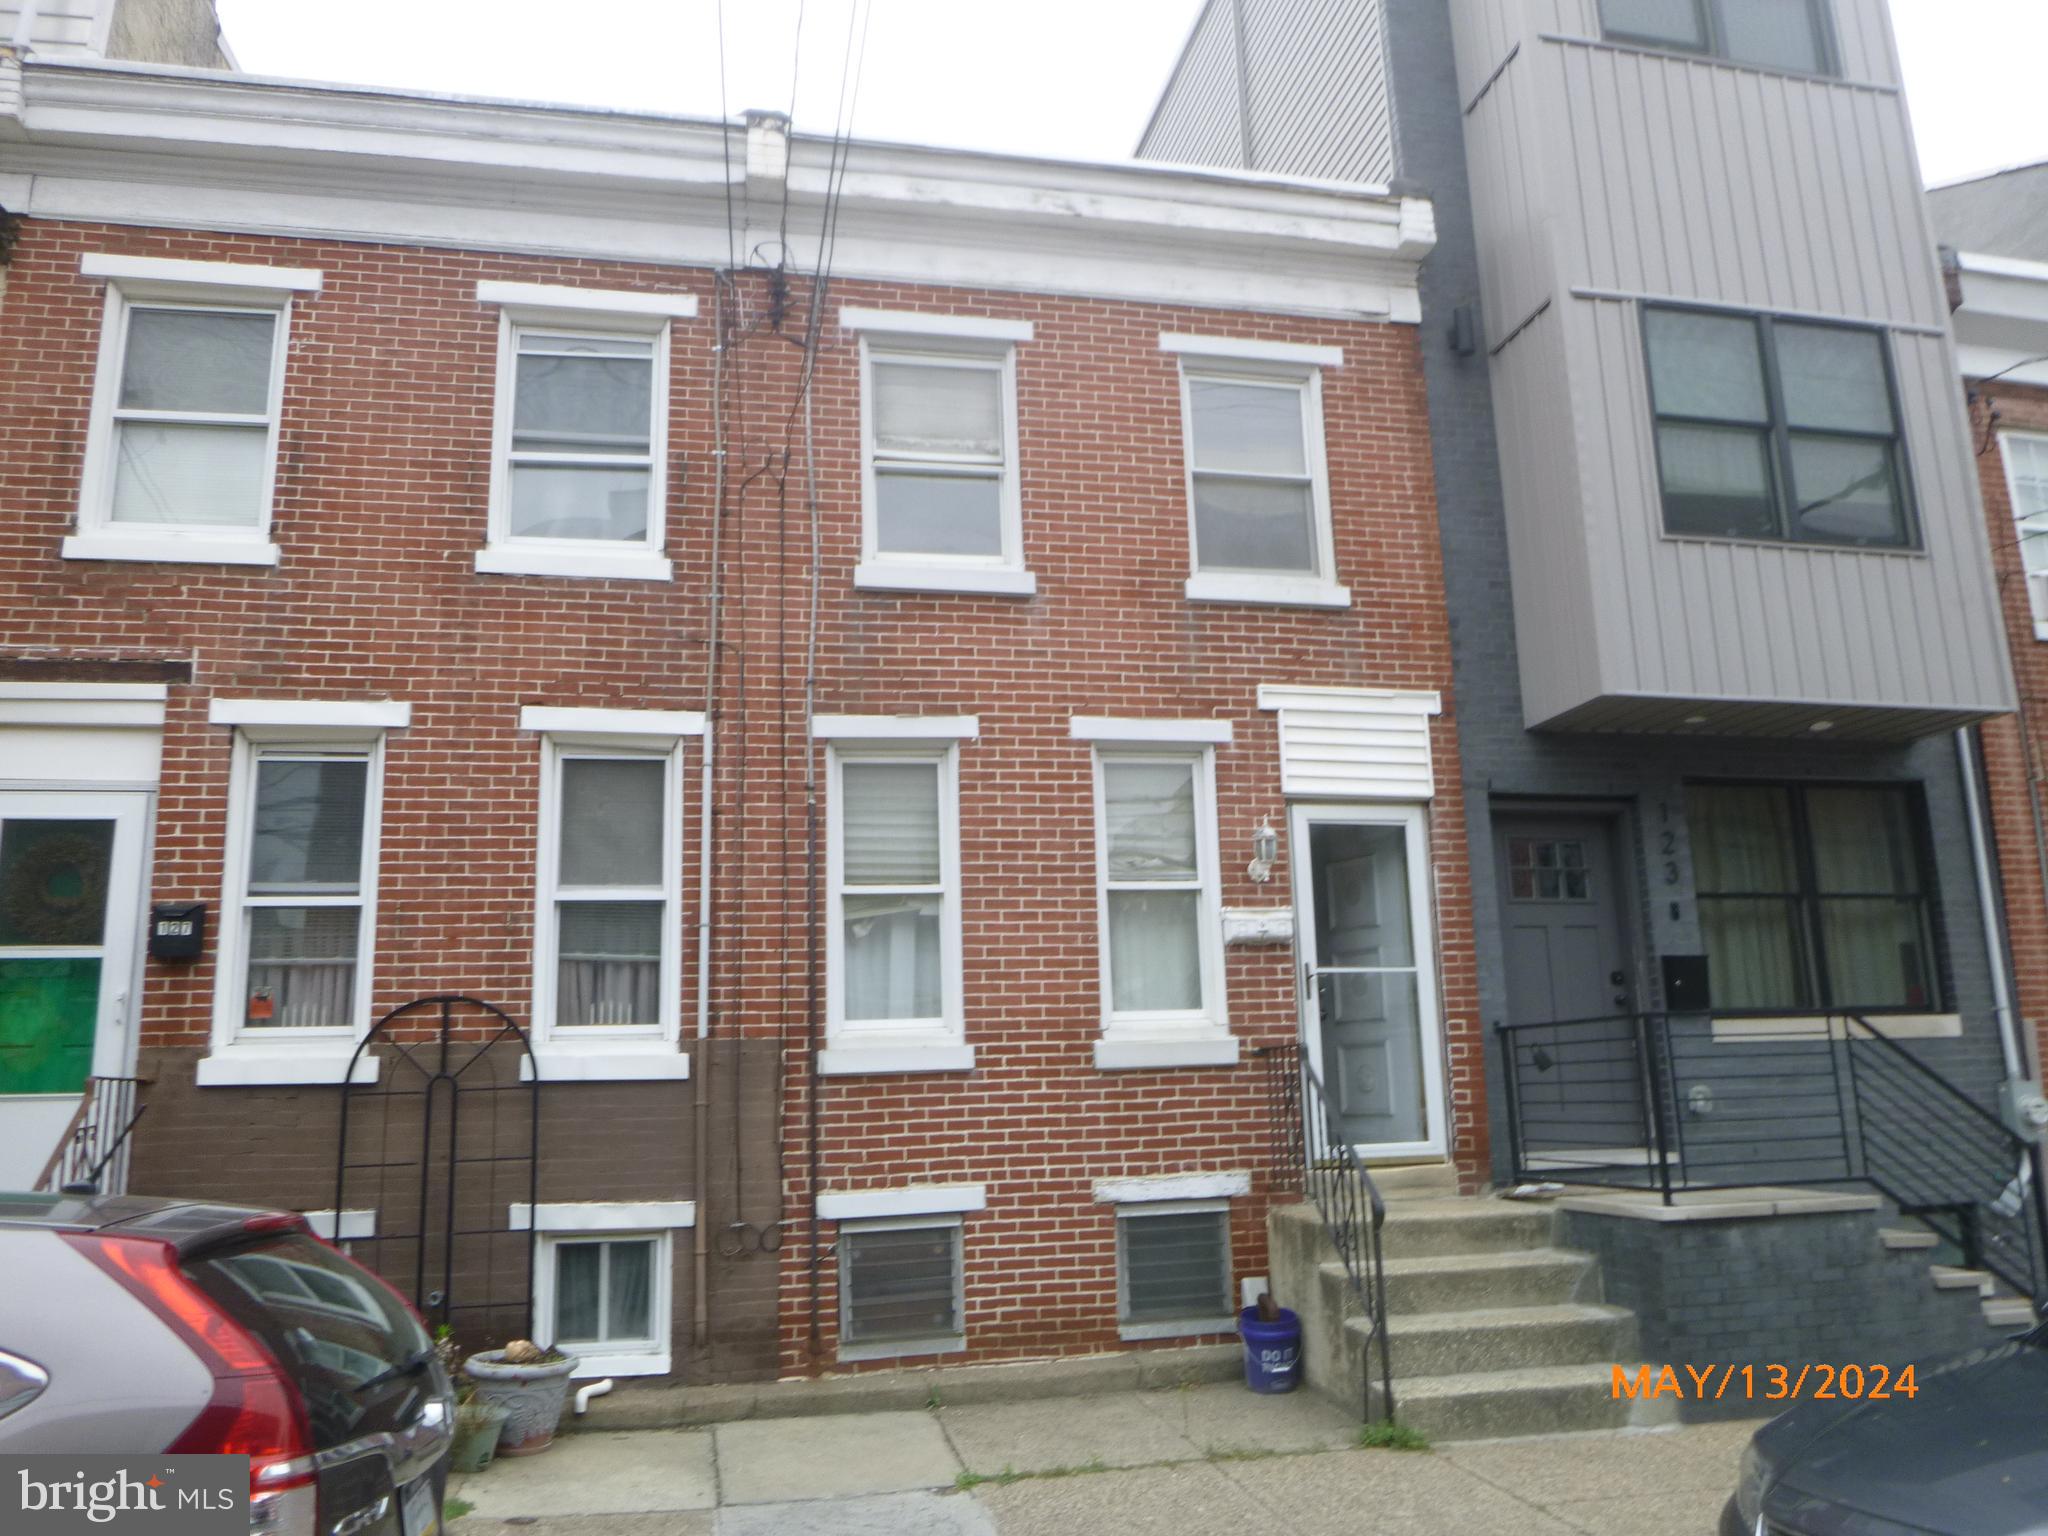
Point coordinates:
pixel 1722 612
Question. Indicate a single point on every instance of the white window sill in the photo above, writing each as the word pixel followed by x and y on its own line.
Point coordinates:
pixel 895 1055
pixel 1120 1053
pixel 1134 1333
pixel 591 1367
pixel 160 548
pixel 596 1061
pixel 598 564
pixel 1893 1026
pixel 1277 591
pixel 894 576
pixel 284 1063
pixel 903 1349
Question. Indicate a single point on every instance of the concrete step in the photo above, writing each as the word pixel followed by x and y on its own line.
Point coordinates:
pixel 1904 1239
pixel 2009 1313
pixel 1505 1338
pixel 1426 1228
pixel 1947 1277
pixel 1415 1181
pixel 1545 1400
pixel 1462 1282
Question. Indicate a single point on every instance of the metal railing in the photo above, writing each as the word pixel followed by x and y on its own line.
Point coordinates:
pixel 1660 1102
pixel 92 1155
pixel 1310 1155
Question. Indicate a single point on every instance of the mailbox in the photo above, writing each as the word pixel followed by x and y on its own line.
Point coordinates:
pixel 177 930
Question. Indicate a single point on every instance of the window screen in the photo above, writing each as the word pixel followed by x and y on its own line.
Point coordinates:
pixel 899 1283
pixel 582 437
pixel 604 1292
pixel 2026 468
pixel 938 444
pixel 610 901
pixel 893 895
pixel 1254 492
pixel 1176 1265
pixel 304 892
pixel 1154 886
pixel 192 421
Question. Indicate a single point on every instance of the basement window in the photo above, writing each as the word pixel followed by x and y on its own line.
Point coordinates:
pixel 900 1288
pixel 1173 1269
pixel 605 1299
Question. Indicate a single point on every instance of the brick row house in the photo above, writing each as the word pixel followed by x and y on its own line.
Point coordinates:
pixel 900 746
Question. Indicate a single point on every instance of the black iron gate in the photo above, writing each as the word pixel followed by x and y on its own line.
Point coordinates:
pixel 443 1150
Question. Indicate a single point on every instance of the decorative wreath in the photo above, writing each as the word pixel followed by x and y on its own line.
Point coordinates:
pixel 35 901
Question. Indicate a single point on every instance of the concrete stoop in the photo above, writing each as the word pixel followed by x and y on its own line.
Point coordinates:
pixel 1492 1331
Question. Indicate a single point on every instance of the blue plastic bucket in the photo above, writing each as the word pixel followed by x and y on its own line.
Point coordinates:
pixel 1272 1351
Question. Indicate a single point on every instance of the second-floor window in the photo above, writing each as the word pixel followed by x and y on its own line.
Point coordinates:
pixel 1790 35
pixel 2026 475
pixel 1770 428
pixel 1255 473
pixel 942 477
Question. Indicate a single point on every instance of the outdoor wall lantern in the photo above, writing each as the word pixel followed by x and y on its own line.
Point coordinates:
pixel 1265 849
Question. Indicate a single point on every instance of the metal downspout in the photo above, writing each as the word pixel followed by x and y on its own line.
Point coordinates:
pixel 2014 1050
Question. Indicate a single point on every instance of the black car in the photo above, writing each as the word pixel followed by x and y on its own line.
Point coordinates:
pixel 139 1325
pixel 1965 1455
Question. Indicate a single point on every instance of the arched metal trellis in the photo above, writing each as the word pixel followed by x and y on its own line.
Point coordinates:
pixel 439 1148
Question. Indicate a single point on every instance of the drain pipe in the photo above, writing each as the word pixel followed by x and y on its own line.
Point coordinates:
pixel 2017 1057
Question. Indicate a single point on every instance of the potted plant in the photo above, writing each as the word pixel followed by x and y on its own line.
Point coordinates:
pixel 531 1384
pixel 477 1425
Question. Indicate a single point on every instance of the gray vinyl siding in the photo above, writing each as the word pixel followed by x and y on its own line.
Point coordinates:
pixel 1321 111
pixel 1199 119
pixel 1604 176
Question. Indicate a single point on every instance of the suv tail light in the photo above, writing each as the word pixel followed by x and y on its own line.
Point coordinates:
pixel 255 1410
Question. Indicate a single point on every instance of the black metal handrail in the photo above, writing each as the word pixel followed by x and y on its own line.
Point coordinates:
pixel 1656 1101
pixel 97 1139
pixel 1310 1154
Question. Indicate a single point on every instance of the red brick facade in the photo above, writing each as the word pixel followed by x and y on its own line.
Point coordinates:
pixel 2016 746
pixel 380 506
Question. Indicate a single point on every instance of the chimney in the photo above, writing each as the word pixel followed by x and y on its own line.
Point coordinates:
pixel 767 153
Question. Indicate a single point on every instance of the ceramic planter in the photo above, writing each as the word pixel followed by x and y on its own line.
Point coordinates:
pixel 532 1396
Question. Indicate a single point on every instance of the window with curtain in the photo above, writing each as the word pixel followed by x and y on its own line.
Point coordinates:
pixel 582 441
pixel 302 902
pixel 1791 35
pixel 605 1292
pixel 612 896
pixel 892 893
pixel 2026 475
pixel 193 419
pixel 1153 884
pixel 941 484
pixel 1813 897
pixel 1254 471
pixel 1776 429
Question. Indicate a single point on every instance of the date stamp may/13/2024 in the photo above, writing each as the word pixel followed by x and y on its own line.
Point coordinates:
pixel 1767 1383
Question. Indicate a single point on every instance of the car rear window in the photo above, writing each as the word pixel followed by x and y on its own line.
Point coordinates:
pixel 333 1325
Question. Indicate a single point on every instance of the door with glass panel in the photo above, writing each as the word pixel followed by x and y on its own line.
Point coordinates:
pixel 1368 966
pixel 70 900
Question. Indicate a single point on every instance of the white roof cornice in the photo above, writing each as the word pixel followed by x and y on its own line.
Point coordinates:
pixel 195 149
pixel 2002 326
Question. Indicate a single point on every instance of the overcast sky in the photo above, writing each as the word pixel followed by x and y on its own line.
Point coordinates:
pixel 1056 77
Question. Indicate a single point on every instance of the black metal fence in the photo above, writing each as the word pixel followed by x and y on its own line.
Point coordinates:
pixel 1312 1157
pixel 1662 1102
pixel 93 1154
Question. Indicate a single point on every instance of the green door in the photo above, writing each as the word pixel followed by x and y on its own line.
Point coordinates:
pixel 54 879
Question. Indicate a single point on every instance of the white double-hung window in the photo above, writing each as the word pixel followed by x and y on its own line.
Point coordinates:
pixel 1159 902
pixel 607 984
pixel 942 505
pixel 1257 482
pixel 2026 478
pixel 181 456
pixel 580 442
pixel 893 872
pixel 292 992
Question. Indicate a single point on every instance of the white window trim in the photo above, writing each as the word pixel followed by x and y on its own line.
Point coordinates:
pixel 149 282
pixel 929 728
pixel 655 1361
pixel 933 1344
pixel 362 718
pixel 1130 731
pixel 1266 363
pixel 893 1046
pixel 1250 349
pixel 919 322
pixel 1145 1188
pixel 238 1057
pixel 597 1216
pixel 1166 1039
pixel 521 307
pixel 95 704
pixel 601 1052
pixel 909 1200
pixel 1170 1328
pixel 1001 575
pixel 354 1224
pixel 2037 606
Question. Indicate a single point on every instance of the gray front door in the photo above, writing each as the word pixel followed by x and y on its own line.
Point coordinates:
pixel 1567 953
pixel 1367 961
